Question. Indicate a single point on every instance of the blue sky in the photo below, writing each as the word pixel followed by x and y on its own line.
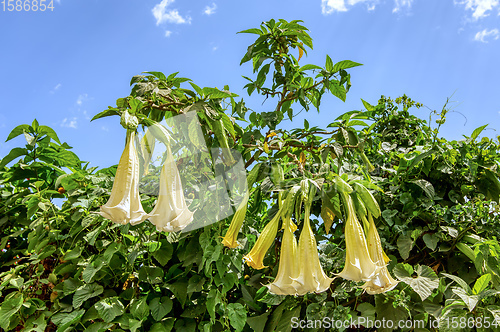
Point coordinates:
pixel 66 65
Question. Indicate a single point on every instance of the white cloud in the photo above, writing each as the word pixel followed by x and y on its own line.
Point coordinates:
pixel 480 8
pixel 81 98
pixel 214 48
pixel 57 87
pixel 400 4
pixel 209 10
pixel 483 35
pixel 69 123
pixel 168 33
pixel 163 14
pixel 104 128
pixel 330 6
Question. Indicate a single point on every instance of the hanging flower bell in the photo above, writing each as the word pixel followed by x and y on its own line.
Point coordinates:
pixel 230 239
pixel 288 266
pixel 358 264
pixel 381 281
pixel 170 213
pixel 311 278
pixel 255 258
pixel 124 204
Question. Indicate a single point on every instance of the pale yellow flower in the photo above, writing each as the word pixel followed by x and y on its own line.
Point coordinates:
pixel 170 213
pixel 381 281
pixel 255 258
pixel 288 266
pixel 124 204
pixel 147 145
pixel 358 264
pixel 311 277
pixel 230 239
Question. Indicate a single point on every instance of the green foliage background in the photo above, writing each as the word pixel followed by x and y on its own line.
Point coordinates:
pixel 70 269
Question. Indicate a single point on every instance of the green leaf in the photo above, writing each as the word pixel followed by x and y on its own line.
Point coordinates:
pixel 237 315
pixel 431 241
pixel 426 186
pixel 329 64
pixel 164 326
pixel 45 130
pixel 13 154
pixel 9 308
pixel 476 132
pixel 164 254
pixel 423 284
pixel 152 274
pixel 105 113
pixel 309 67
pixel 258 323
pixel 19 130
pixel 254 31
pixel 64 320
pixel 179 289
pixel 139 308
pixel 405 244
pixel 344 64
pixel 109 308
pixel 86 292
pixel 157 74
pixel 160 307
pixel 469 300
pixel 481 284
pixel 369 201
pixel 337 90
pixel 459 281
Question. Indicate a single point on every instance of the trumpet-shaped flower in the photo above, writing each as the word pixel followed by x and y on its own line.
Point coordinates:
pixel 124 204
pixel 255 258
pixel 147 145
pixel 288 266
pixel 311 277
pixel 230 239
pixel 381 281
pixel 171 213
pixel 359 266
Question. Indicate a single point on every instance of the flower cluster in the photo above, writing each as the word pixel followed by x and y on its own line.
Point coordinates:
pixel 170 213
pixel 299 270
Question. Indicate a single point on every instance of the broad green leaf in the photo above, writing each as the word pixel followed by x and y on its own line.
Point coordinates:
pixel 151 274
pixel 459 281
pixel 423 284
pixel 258 323
pixel 179 289
pixel 405 244
pixel 105 113
pixel 164 254
pixel 237 315
pixel 476 132
pixel 109 308
pixel 45 130
pixel 344 64
pixel 19 130
pixel 426 186
pixel 64 320
pixel 309 67
pixel 337 90
pixel 13 154
pixel 157 74
pixel 254 31
pixel 139 308
pixel 329 64
pixel 160 307
pixel 163 326
pixel 481 284
pixel 469 300
pixel 368 200
pixel 8 309
pixel 431 241
pixel 86 292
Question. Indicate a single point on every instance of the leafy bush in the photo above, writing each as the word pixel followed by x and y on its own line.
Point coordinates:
pixel 68 268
